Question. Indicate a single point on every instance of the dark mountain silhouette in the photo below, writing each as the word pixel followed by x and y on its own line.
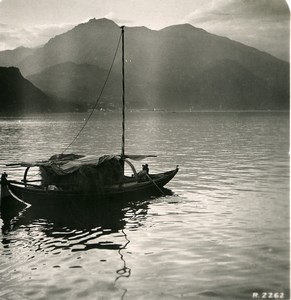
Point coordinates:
pixel 19 96
pixel 179 67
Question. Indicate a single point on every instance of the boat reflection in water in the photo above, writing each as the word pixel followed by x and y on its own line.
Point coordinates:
pixel 103 217
pixel 74 228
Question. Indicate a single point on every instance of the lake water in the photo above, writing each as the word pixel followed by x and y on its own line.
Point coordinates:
pixel 223 234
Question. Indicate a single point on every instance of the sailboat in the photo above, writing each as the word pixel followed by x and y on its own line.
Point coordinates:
pixel 71 177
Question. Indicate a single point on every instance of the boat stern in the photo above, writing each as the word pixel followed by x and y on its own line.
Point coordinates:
pixel 3 187
pixel 4 193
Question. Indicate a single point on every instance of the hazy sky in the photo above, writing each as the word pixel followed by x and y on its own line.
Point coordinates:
pixel 263 24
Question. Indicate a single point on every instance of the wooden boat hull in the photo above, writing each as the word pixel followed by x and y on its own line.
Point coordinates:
pixel 34 195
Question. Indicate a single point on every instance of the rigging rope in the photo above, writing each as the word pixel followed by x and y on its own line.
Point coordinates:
pixel 98 99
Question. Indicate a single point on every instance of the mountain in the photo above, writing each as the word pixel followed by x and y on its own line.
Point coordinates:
pixel 77 82
pixel 238 89
pixel 93 43
pixel 82 83
pixel 14 57
pixel 19 96
pixel 178 67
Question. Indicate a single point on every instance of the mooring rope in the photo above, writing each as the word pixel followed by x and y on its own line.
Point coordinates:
pixel 98 99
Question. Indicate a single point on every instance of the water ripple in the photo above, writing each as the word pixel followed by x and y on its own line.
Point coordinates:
pixel 223 234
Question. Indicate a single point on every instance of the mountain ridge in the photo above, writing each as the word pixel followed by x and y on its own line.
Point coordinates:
pixel 161 67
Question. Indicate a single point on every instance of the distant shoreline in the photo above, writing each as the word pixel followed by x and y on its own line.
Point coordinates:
pixel 24 115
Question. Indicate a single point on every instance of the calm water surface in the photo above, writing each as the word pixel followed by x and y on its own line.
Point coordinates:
pixel 224 234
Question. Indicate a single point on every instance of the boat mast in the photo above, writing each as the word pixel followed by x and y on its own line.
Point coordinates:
pixel 123 94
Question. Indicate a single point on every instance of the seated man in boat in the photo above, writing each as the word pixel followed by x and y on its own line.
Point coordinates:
pixel 146 168
pixel 143 174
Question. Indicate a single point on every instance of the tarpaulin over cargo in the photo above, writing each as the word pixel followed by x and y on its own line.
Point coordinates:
pixel 77 172
pixel 67 165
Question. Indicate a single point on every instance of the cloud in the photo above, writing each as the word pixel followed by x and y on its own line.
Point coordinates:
pixel 263 24
pixel 272 10
pixel 47 31
pixel 31 36
pixel 114 17
pixel 110 16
